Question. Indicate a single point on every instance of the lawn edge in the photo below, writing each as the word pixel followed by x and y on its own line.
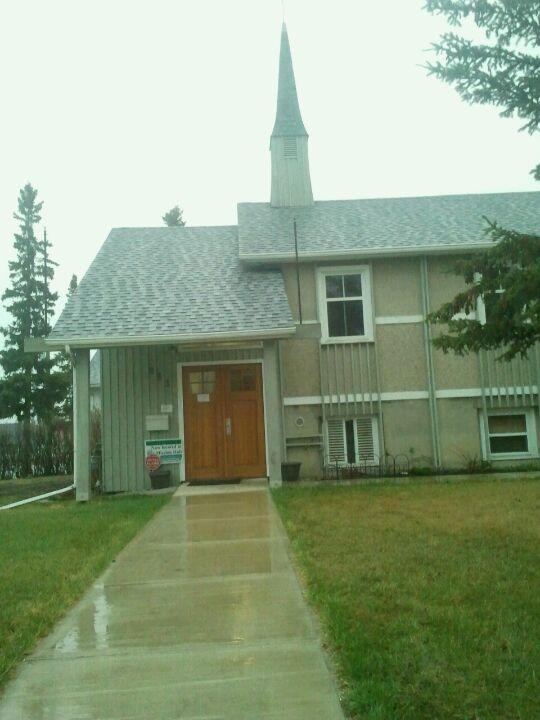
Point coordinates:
pixel 13 671
pixel 323 639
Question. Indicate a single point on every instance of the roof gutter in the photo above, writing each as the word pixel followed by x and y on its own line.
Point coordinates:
pixel 96 341
pixel 410 250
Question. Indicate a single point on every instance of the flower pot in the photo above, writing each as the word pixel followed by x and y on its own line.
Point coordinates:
pixel 160 479
pixel 290 471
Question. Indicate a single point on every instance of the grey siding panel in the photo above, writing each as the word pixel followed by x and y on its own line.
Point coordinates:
pixel 115 420
pixel 139 419
pixel 130 421
pixel 106 412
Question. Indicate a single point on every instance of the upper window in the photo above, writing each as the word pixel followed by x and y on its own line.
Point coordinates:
pixel 512 434
pixel 345 304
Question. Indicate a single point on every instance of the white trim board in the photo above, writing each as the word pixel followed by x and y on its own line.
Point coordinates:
pixel 366 252
pixel 406 395
pixel 193 363
pixel 116 341
pixel 398 319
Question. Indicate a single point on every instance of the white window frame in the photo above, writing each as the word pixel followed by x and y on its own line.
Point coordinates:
pixel 367 306
pixel 530 424
pixel 357 460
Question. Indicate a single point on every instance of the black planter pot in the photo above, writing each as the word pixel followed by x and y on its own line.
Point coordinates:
pixel 290 471
pixel 160 479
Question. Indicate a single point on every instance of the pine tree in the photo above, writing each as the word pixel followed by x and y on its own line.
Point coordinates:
pixel 65 365
pixel 30 388
pixel 503 71
pixel 174 218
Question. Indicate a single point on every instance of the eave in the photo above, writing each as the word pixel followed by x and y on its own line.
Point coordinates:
pixel 96 341
pixel 372 252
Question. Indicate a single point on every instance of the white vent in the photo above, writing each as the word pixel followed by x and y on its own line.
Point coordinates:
pixel 290 149
pixel 336 440
pixel 364 439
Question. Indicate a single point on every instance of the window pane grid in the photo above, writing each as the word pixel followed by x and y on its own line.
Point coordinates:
pixel 508 434
pixel 345 310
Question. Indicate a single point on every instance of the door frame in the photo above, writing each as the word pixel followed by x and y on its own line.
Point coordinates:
pixel 179 380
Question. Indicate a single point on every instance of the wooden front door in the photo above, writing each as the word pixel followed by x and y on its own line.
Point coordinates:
pixel 224 422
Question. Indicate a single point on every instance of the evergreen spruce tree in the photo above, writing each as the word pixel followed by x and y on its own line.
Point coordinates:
pixel 65 365
pixel 174 218
pixel 31 388
pixel 503 71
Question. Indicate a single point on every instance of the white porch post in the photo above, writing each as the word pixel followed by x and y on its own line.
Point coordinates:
pixel 81 424
pixel 272 411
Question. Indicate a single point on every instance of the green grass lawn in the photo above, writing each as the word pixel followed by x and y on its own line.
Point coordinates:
pixel 429 594
pixel 49 554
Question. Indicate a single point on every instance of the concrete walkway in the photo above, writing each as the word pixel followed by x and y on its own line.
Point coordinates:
pixel 201 617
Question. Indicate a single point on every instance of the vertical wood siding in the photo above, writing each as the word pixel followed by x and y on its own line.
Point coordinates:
pixel 135 383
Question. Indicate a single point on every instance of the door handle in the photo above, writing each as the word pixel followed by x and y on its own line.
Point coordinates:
pixel 228 427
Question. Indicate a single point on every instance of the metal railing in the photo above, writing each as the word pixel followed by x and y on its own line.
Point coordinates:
pixel 375 466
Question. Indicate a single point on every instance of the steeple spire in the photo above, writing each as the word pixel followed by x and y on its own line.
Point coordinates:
pixel 291 182
pixel 288 117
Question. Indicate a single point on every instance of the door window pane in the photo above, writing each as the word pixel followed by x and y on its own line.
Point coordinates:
pixel 202 383
pixel 242 379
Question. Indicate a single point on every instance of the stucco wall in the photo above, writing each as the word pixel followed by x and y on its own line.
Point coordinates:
pixel 399 355
pixel 396 287
pixel 407 430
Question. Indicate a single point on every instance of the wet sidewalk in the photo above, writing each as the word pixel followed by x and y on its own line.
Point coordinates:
pixel 201 617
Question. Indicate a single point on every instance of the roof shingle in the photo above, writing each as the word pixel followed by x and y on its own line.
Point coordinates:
pixel 172 281
pixel 341 226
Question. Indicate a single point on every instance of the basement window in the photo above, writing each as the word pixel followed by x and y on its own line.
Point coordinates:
pixel 345 304
pixel 511 434
pixel 351 441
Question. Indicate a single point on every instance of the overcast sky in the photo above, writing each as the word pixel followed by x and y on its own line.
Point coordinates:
pixel 117 110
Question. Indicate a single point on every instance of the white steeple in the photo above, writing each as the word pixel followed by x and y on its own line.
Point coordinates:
pixel 291 182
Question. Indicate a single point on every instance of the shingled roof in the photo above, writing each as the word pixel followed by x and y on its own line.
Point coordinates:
pixel 161 284
pixel 288 118
pixel 394 226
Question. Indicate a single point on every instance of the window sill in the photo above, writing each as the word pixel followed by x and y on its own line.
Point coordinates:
pixel 514 456
pixel 346 339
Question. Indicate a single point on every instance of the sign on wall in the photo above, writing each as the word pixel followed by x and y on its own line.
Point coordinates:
pixel 167 450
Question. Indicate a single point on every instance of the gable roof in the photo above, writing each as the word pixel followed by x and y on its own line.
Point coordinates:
pixel 288 118
pixel 172 285
pixel 387 226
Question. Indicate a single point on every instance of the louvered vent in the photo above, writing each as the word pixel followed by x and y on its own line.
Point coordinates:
pixel 364 435
pixel 289 147
pixel 336 440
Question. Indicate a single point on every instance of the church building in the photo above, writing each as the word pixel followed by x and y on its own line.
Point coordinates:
pixel 298 335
